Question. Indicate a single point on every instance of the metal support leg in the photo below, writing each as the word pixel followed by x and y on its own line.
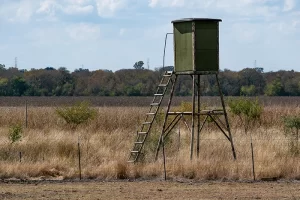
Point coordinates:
pixel 193 119
pixel 226 118
pixel 198 117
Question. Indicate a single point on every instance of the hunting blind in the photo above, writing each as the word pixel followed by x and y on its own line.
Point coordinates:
pixel 196 45
pixel 196 53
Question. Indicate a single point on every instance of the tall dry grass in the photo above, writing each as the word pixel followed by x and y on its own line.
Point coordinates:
pixel 49 147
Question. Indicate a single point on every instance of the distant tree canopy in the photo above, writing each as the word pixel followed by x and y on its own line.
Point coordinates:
pixel 138 65
pixel 141 82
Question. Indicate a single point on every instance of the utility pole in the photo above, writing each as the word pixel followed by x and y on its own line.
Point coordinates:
pixel 16 62
pixel 148 65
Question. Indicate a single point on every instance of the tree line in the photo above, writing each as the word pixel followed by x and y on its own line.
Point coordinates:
pixel 142 82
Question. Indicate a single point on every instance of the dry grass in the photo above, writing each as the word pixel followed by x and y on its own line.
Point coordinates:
pixel 49 148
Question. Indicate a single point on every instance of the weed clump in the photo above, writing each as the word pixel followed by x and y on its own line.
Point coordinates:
pixel 77 114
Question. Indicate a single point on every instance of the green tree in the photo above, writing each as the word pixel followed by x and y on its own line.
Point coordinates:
pixel 248 90
pixel 292 86
pixel 250 76
pixel 2 67
pixel 138 65
pixel 81 82
pixel 275 88
pixel 128 81
pixel 3 86
pixel 230 83
pixel 18 86
pixel 101 83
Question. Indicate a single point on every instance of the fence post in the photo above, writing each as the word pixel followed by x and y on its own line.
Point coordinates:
pixel 252 155
pixel 20 156
pixel 79 158
pixel 26 114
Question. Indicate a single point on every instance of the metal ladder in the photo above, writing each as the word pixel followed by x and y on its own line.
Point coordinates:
pixel 150 116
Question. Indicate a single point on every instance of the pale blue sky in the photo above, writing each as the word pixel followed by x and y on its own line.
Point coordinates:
pixel 114 34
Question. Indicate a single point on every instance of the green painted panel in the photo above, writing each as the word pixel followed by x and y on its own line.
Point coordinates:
pixel 183 47
pixel 206 38
pixel 206 25
pixel 207 60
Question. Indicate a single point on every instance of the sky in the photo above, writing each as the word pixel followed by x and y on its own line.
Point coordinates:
pixel 114 34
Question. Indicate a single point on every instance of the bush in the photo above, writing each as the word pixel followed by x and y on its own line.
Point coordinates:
pixel 292 122
pixel 249 111
pixel 292 127
pixel 15 133
pixel 78 114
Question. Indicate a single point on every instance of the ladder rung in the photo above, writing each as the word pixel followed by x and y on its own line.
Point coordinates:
pixel 162 85
pixel 142 132
pixel 134 151
pixel 167 75
pixel 154 104
pixel 158 94
pixel 138 142
pixel 130 161
pixel 147 122
pixel 150 113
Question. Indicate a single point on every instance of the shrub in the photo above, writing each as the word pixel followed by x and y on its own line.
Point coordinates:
pixel 77 114
pixel 15 133
pixel 292 122
pixel 292 126
pixel 247 110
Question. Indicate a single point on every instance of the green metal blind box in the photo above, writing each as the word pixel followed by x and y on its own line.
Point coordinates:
pixel 196 45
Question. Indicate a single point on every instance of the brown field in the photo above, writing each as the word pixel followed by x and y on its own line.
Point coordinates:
pixel 129 101
pixel 49 148
pixel 150 190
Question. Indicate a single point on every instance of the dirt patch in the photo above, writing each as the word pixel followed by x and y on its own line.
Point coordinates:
pixel 7 195
pixel 149 190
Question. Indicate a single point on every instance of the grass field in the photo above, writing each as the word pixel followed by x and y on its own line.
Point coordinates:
pixel 48 147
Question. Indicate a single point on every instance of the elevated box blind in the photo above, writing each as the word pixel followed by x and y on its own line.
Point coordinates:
pixel 196 45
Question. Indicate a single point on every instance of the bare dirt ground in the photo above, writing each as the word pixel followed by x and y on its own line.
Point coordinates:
pixel 149 190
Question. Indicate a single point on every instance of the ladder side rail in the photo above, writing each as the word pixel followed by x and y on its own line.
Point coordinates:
pixel 141 138
pixel 159 102
pixel 166 117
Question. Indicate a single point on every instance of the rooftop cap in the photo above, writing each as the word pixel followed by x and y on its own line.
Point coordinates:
pixel 196 19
